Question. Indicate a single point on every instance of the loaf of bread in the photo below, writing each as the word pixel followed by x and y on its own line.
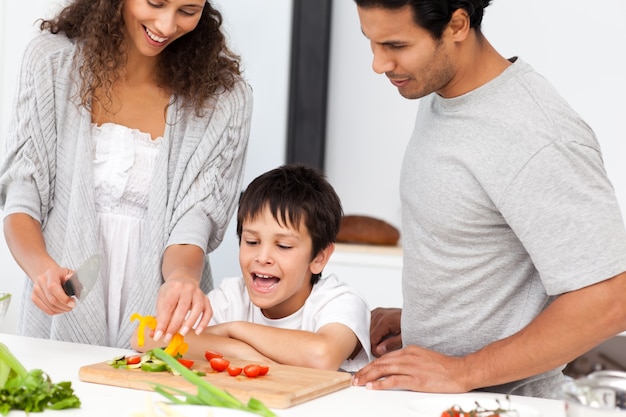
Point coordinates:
pixel 367 230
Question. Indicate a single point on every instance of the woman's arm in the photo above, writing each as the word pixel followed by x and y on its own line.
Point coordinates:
pixel 26 243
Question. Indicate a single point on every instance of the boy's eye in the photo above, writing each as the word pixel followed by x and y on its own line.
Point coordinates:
pixel 251 242
pixel 281 246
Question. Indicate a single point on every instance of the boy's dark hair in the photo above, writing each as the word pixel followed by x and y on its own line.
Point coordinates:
pixel 296 195
pixel 434 15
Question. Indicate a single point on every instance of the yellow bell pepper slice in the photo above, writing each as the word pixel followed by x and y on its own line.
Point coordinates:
pixel 144 321
pixel 177 345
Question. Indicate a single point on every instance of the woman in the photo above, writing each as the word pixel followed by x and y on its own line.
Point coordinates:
pixel 128 141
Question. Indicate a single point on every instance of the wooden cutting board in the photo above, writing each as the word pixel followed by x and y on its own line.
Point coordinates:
pixel 283 386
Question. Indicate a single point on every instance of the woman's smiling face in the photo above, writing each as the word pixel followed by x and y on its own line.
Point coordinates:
pixel 151 25
pixel 276 263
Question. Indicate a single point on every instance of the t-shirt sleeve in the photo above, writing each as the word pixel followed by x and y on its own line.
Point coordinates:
pixel 336 302
pixel 229 301
pixel 563 208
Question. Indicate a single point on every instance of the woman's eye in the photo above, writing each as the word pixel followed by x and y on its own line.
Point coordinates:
pixel 155 4
pixel 188 12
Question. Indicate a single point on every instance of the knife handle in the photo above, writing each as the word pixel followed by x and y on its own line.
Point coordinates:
pixel 69 289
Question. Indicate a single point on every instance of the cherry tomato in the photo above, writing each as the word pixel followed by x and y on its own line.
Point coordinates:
pixel 233 371
pixel 252 371
pixel 133 360
pixel 219 364
pixel 187 363
pixel 264 370
pixel 209 354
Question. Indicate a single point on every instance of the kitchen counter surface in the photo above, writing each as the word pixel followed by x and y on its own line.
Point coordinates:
pixel 62 361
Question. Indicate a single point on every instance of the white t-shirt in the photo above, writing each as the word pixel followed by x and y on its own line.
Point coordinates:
pixel 330 301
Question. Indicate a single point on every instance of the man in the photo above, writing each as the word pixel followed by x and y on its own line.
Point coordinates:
pixel 514 244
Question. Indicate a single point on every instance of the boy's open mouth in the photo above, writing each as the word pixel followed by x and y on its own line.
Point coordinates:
pixel 265 282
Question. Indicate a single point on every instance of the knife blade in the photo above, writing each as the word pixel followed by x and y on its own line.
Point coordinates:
pixel 83 279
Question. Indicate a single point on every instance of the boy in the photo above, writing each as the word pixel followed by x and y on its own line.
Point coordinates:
pixel 282 310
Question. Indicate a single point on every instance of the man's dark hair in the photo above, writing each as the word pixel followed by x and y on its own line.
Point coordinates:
pixel 434 15
pixel 295 195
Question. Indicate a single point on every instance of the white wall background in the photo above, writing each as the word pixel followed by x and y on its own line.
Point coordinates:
pixel 577 47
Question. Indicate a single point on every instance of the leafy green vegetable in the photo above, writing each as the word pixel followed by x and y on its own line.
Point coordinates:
pixel 31 391
pixel 208 394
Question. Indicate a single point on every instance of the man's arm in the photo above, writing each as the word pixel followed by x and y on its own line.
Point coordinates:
pixel 573 324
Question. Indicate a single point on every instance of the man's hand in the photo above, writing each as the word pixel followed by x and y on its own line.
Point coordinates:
pixel 416 369
pixel 385 330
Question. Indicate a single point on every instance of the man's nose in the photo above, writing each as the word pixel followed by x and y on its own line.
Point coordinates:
pixel 382 62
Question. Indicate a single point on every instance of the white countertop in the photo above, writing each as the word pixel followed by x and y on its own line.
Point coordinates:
pixel 62 360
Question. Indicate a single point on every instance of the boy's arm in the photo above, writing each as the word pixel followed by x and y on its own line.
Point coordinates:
pixel 327 348
pixel 198 344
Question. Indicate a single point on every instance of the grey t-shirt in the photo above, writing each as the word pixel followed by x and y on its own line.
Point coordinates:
pixel 506 204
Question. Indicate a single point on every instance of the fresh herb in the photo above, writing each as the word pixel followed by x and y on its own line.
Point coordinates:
pixel 208 394
pixel 31 391
pixel 479 411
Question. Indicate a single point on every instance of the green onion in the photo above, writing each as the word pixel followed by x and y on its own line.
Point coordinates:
pixel 208 394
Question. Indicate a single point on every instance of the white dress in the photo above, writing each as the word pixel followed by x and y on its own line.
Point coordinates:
pixel 123 164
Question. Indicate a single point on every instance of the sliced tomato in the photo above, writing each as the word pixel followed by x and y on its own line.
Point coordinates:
pixel 133 360
pixel 187 363
pixel 233 371
pixel 210 354
pixel 264 370
pixel 252 371
pixel 219 364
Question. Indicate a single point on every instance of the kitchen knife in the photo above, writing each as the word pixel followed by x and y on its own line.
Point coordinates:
pixel 83 279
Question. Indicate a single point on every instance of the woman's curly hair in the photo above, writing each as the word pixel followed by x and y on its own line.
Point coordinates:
pixel 194 67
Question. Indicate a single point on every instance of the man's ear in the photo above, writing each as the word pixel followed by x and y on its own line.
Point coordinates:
pixel 321 259
pixel 459 25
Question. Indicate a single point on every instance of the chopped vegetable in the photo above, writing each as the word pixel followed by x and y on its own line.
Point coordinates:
pixel 31 391
pixel 208 394
pixel 219 364
pixel 177 345
pixel 149 363
pixel 252 371
pixel 209 354
pixel 478 411
pixel 187 363
pixel 149 321
pixel 234 371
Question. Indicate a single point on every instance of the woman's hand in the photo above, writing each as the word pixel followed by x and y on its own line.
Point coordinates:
pixel 48 293
pixel 181 303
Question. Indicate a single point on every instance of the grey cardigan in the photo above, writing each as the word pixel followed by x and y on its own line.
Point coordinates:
pixel 47 173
